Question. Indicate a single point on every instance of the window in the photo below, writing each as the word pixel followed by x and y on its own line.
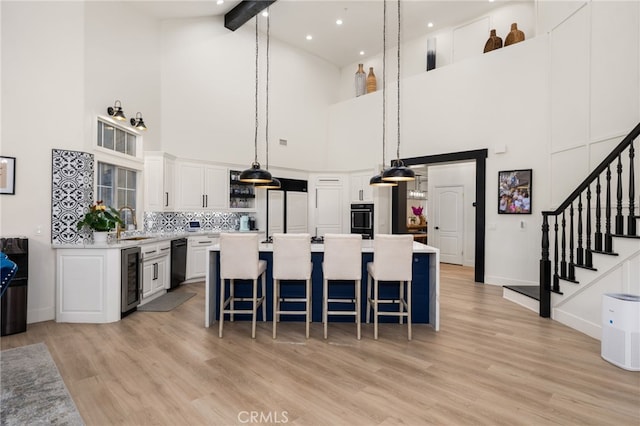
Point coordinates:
pixel 116 186
pixel 116 139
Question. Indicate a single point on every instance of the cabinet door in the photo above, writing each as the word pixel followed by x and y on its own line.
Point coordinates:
pixel 148 278
pixel 191 193
pixel 328 210
pixel 153 190
pixel 216 189
pixel 162 273
pixel 297 212
pixel 169 185
pixel 361 191
pixel 197 256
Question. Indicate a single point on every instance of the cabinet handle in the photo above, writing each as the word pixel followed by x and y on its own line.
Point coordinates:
pixel 204 242
pixel 203 201
pixel 316 198
pixel 155 271
pixel 165 248
pixel 150 252
pixel 166 203
pixel 206 197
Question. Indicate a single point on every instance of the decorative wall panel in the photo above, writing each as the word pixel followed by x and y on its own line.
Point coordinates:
pixel 71 194
pixel 178 221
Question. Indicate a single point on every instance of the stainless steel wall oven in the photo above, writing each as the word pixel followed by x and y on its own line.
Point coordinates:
pixel 362 220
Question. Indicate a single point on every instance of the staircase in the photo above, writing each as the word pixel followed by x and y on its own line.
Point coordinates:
pixel 590 245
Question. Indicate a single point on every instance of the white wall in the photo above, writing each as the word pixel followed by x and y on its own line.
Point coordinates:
pixel 460 174
pixel 208 96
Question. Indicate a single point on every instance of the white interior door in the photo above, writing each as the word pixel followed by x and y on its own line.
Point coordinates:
pixel 297 212
pixel 276 212
pixel 448 228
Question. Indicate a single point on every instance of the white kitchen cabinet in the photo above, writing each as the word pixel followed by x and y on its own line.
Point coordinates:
pixel 328 205
pixel 156 269
pixel 360 189
pixel 159 182
pixel 201 187
pixel 197 255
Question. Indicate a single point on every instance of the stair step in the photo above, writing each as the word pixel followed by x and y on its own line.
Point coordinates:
pixel 604 252
pixel 532 291
pixel 569 281
pixel 626 236
pixel 557 292
pixel 589 268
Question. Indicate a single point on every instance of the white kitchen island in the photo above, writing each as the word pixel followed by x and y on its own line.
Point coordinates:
pixel 425 285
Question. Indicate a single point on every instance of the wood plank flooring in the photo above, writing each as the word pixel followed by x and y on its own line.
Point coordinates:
pixel 493 362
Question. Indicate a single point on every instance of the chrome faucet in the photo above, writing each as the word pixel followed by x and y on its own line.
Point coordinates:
pixel 119 228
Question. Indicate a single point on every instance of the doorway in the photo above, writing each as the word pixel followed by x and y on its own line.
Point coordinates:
pixel 448 223
pixel 399 204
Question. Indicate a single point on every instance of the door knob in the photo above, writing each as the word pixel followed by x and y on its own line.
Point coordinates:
pixel 437 227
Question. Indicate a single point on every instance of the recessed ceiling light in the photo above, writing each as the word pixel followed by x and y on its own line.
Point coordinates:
pixel 362 53
pixel 338 21
pixel 219 2
pixel 309 37
pixel 265 13
pixel 430 24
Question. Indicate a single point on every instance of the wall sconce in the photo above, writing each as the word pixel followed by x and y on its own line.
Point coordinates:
pixel 137 122
pixel 116 111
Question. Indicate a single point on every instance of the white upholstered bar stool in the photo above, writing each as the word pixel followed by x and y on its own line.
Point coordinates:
pixel 392 261
pixel 239 261
pixel 292 261
pixel 342 261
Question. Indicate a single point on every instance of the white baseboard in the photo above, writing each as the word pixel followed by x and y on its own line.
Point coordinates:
pixel 583 326
pixel 521 299
pixel 40 315
pixel 494 280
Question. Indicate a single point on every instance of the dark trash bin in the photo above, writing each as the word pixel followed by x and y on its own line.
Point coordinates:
pixel 13 304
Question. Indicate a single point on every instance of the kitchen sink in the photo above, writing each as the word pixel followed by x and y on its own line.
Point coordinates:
pixel 135 238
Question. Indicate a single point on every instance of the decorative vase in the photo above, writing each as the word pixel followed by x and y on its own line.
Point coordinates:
pixel 423 220
pixel 514 36
pixel 371 81
pixel 493 43
pixel 100 237
pixel 431 54
pixel 361 81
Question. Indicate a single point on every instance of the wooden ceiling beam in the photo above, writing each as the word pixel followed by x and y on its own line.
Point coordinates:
pixel 244 11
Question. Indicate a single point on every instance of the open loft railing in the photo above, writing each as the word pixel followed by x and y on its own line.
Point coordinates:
pixel 571 247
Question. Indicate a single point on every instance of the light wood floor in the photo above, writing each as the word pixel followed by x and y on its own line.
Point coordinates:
pixel 493 362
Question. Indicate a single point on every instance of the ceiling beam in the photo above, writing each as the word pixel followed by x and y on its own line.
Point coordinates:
pixel 244 11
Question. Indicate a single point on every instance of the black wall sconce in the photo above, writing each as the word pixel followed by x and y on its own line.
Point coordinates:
pixel 137 122
pixel 116 111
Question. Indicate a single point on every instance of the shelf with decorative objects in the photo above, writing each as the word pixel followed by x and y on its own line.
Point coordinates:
pixel 241 194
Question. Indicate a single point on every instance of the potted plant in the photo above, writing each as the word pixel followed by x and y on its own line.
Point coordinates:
pixel 101 220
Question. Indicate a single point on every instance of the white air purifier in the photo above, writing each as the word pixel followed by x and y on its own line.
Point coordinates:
pixel 621 330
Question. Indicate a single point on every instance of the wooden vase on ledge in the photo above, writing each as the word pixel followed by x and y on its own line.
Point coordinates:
pixel 371 81
pixel 514 36
pixel 493 43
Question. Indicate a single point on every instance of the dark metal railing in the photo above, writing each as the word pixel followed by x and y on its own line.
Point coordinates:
pixel 593 240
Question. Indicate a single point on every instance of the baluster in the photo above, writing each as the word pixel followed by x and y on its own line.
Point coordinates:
pixel 588 260
pixel 580 249
pixel 572 266
pixel 608 240
pixel 631 219
pixel 556 278
pixel 545 271
pixel 598 234
pixel 563 263
pixel 619 217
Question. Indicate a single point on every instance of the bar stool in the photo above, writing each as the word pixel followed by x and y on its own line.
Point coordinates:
pixel 393 259
pixel 239 261
pixel 291 261
pixel 342 261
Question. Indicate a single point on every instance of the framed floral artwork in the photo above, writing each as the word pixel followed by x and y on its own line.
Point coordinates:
pixel 8 175
pixel 514 191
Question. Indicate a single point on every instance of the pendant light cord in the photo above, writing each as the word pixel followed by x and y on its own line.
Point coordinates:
pixel 255 144
pixel 266 126
pixel 384 80
pixel 398 151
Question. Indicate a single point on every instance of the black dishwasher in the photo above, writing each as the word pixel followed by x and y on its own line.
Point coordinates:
pixel 178 262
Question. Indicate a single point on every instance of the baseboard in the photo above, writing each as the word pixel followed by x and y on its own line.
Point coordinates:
pixel 40 315
pixel 502 281
pixel 521 299
pixel 570 320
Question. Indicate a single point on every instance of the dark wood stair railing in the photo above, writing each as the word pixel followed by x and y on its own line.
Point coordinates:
pixel 550 276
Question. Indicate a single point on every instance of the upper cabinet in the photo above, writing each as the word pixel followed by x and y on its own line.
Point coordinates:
pixel 201 186
pixel 361 191
pixel 159 182
pixel 241 194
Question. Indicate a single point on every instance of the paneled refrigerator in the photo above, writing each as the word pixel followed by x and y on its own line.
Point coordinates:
pixel 288 207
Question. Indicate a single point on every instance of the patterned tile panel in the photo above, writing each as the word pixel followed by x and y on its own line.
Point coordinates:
pixel 178 221
pixel 71 194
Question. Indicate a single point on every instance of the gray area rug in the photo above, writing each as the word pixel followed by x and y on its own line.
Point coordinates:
pixel 166 302
pixel 33 392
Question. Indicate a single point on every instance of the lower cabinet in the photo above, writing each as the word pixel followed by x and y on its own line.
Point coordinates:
pixel 156 269
pixel 197 255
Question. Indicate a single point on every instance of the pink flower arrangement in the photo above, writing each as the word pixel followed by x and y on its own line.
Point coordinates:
pixel 417 210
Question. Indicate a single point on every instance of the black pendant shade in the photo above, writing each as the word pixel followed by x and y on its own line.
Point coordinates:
pixel 274 184
pixel 377 181
pixel 398 173
pixel 255 175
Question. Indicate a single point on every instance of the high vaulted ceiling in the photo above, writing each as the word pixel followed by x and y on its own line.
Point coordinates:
pixel 361 29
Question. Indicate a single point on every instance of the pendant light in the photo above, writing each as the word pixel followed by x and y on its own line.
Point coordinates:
pixel 398 172
pixel 275 182
pixel 255 174
pixel 377 179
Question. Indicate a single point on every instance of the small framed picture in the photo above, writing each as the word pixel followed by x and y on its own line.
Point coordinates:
pixel 514 191
pixel 7 175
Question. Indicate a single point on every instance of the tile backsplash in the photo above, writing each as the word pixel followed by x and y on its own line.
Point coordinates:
pixel 178 221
